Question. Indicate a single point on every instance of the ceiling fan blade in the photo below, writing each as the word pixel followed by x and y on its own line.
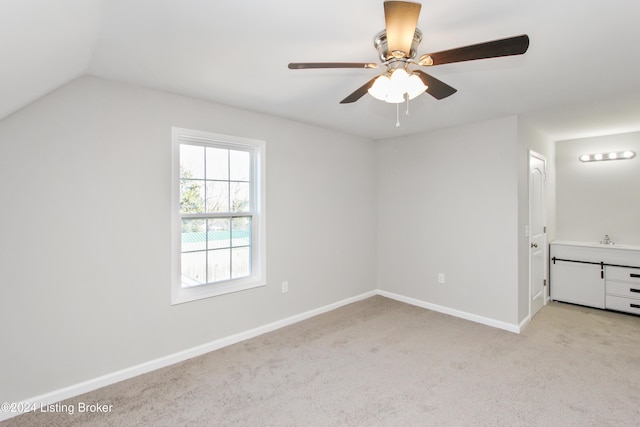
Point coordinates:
pixel 401 19
pixel 306 65
pixel 359 93
pixel 493 49
pixel 436 88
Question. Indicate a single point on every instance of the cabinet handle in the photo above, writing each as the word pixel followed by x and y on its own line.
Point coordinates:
pixel 634 305
pixel 634 275
pixel 634 290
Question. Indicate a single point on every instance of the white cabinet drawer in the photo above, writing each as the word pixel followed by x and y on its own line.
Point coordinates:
pixel 627 290
pixel 631 275
pixel 623 304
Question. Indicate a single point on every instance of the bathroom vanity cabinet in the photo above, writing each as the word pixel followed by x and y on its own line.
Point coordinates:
pixel 596 275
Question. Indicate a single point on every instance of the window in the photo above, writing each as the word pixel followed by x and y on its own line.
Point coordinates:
pixel 218 214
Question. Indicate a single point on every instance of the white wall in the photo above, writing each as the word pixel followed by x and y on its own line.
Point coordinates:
pixel 594 199
pixel 448 203
pixel 85 226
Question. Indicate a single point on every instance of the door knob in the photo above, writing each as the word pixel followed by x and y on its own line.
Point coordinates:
pixel 534 245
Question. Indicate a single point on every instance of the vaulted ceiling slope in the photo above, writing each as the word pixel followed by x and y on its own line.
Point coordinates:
pixel 582 60
pixel 43 45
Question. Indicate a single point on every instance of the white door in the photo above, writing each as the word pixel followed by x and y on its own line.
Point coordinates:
pixel 537 232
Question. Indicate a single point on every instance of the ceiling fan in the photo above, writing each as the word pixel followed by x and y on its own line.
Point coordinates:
pixel 397 46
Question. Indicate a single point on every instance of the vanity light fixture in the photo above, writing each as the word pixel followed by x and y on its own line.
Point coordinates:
pixel 619 155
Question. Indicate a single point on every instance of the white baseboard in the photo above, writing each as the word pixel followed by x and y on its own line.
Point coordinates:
pixel 524 323
pixel 452 312
pixel 112 378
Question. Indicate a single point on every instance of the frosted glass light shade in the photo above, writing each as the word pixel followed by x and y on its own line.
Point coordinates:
pixel 393 89
pixel 415 86
pixel 380 88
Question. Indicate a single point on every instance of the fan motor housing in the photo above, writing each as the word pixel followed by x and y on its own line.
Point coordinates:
pixel 380 43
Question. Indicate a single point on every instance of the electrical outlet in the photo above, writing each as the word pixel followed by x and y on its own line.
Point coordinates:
pixel 440 277
pixel 285 287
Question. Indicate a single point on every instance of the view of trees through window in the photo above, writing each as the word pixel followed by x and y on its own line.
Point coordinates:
pixel 215 209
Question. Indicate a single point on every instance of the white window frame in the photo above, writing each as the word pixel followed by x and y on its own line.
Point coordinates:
pixel 258 230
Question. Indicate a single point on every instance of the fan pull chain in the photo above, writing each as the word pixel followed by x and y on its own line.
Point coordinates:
pixel 398 115
pixel 406 96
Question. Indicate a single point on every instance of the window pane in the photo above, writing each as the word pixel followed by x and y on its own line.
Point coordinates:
pixel 240 201
pixel 191 196
pixel 240 165
pixel 241 231
pixel 191 161
pixel 241 262
pixel 217 196
pixel 219 233
pixel 194 236
pixel 219 265
pixel 194 269
pixel 217 164
pixel 219 193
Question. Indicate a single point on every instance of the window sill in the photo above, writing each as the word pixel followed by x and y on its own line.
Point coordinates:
pixel 195 293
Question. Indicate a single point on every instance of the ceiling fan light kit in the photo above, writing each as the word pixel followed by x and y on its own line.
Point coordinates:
pixel 397 48
pixel 397 86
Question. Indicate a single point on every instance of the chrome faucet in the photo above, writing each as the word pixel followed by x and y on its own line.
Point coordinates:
pixel 607 240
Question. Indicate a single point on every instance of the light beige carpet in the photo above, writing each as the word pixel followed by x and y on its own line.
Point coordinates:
pixel 379 362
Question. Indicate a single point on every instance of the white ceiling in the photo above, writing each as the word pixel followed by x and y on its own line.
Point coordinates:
pixel 580 76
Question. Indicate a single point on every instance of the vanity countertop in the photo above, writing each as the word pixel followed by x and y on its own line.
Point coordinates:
pixel 596 245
